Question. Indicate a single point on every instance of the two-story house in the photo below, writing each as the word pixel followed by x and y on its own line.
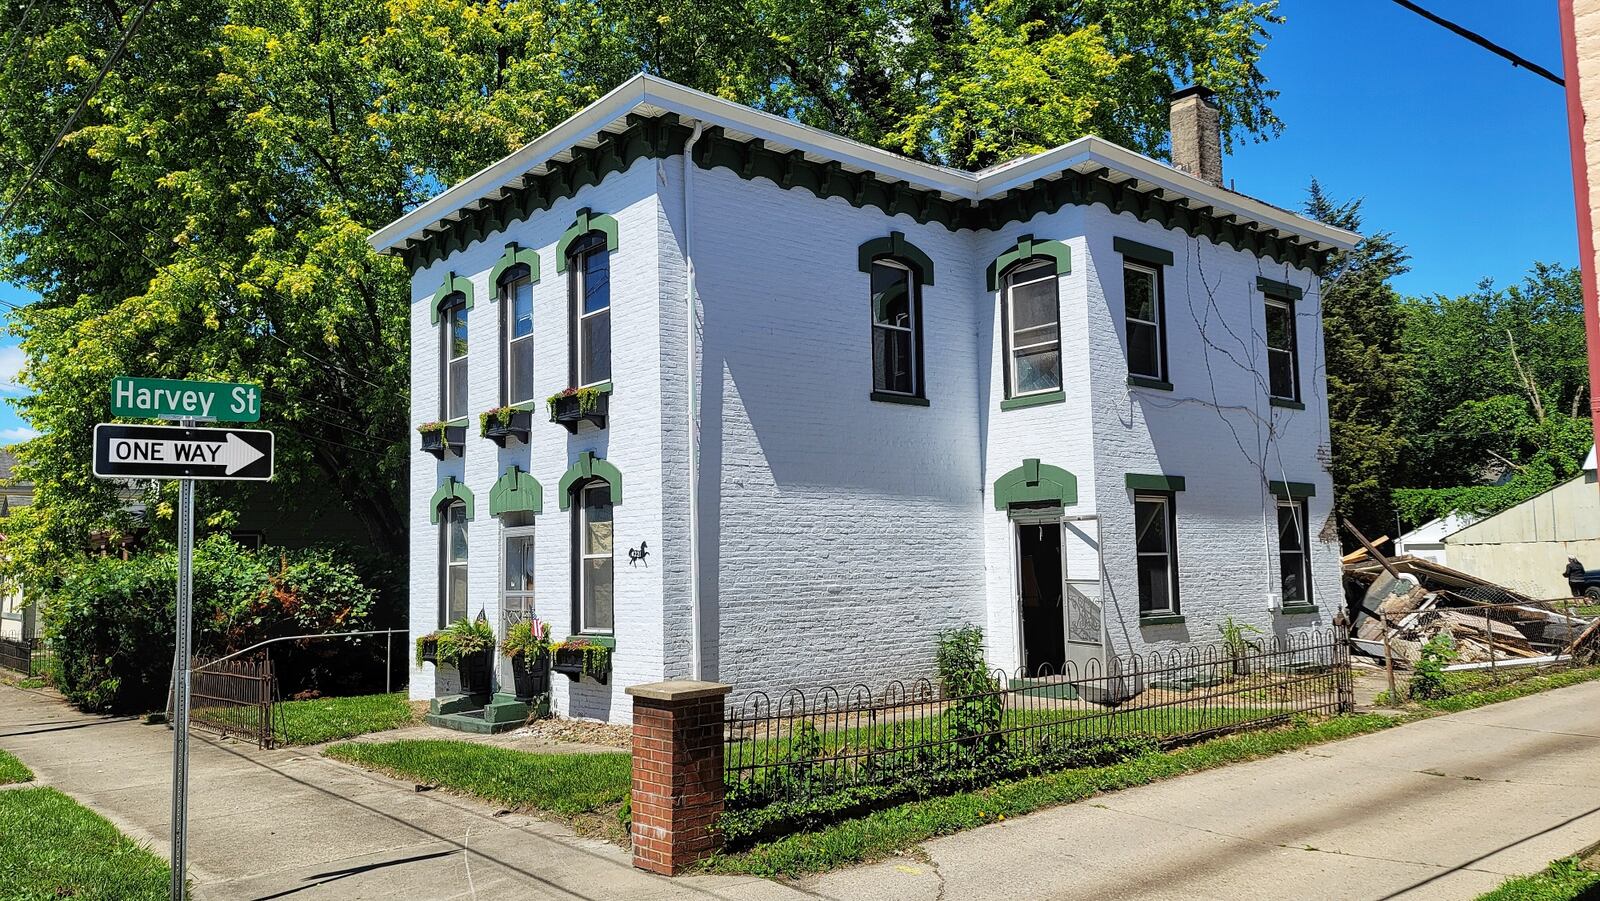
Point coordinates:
pixel 835 400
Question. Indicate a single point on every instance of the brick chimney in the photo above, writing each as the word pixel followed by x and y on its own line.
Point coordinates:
pixel 1197 133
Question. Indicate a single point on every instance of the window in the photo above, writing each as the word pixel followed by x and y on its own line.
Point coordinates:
pixel 1155 528
pixel 590 269
pixel 896 329
pixel 1282 366
pixel 594 579
pixel 453 371
pixel 453 550
pixel 1033 323
pixel 1141 301
pixel 516 564
pixel 1294 556
pixel 516 305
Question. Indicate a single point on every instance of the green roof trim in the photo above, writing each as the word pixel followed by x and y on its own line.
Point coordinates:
pixel 514 256
pixel 1140 482
pixel 587 467
pixel 585 223
pixel 896 247
pixel 1025 249
pixel 453 284
pixel 1035 483
pixel 1277 289
pixel 1293 489
pixel 450 490
pixel 1144 253
pixel 516 491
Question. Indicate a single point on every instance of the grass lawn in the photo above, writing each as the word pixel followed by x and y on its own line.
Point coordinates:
pixel 329 719
pixel 563 784
pixel 1475 689
pixel 51 847
pixel 1564 880
pixel 12 770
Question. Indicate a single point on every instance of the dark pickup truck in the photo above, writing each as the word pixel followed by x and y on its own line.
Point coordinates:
pixel 1588 587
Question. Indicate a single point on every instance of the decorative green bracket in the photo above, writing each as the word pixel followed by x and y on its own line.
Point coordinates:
pixel 516 491
pixel 1277 289
pixel 1144 253
pixel 896 247
pixel 514 256
pixel 1293 490
pixel 453 284
pixel 585 223
pixel 588 466
pixel 1154 483
pixel 450 490
pixel 1027 248
pixel 1034 483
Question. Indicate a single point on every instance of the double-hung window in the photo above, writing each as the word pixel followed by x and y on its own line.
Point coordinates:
pixel 1156 544
pixel 1294 555
pixel 590 268
pixel 1033 329
pixel 595 601
pixel 516 305
pixel 896 330
pixel 453 357
pixel 453 557
pixel 1283 365
pixel 1141 302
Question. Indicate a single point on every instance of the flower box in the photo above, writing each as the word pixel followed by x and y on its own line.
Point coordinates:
pixel 531 675
pixel 579 657
pixel 428 649
pixel 503 423
pixel 439 438
pixel 578 405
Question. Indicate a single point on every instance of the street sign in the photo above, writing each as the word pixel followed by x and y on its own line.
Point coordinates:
pixel 180 399
pixel 175 452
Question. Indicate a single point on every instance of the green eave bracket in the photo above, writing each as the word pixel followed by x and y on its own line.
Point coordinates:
pixel 450 490
pixel 585 223
pixel 1154 483
pixel 1282 290
pixel 1293 490
pixel 1143 253
pixel 453 284
pixel 1035 483
pixel 514 256
pixel 516 491
pixel 898 248
pixel 587 467
pixel 1025 249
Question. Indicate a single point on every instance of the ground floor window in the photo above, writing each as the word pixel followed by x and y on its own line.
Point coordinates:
pixel 594 558
pixel 1294 557
pixel 1155 528
pixel 453 551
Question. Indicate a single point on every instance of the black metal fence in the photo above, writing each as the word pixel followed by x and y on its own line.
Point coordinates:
pixel 30 658
pixel 913 738
pixel 237 697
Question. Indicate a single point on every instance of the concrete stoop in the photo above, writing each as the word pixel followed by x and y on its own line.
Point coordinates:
pixel 465 713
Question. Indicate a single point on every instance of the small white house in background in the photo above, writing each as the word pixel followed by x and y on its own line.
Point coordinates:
pixel 1525 548
pixel 1427 540
pixel 844 400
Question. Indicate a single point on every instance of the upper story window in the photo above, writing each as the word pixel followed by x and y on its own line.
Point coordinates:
pixel 896 329
pixel 593 560
pixel 453 559
pixel 1283 363
pixel 589 268
pixel 453 357
pixel 1155 530
pixel 1142 307
pixel 1033 329
pixel 516 307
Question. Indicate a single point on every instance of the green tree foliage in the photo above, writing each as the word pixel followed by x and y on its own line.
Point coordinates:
pixel 1362 323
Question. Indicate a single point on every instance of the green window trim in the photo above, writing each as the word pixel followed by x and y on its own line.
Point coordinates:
pixel 514 256
pixel 1293 490
pixel 585 223
pixel 1278 289
pixel 1161 619
pixel 1140 482
pixel 1027 248
pixel 1144 381
pixel 1286 403
pixel 453 284
pixel 586 467
pixel 895 246
pixel 1144 253
pixel 516 491
pixel 1034 400
pixel 450 490
pixel 1035 483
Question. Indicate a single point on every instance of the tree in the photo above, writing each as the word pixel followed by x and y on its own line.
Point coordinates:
pixel 1362 323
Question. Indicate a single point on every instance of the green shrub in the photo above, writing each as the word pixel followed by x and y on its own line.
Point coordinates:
pixel 1427 677
pixel 963 673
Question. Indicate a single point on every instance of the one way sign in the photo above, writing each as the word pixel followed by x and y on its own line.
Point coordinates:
pixel 172 452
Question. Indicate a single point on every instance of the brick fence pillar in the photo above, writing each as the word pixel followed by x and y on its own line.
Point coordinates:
pixel 677 772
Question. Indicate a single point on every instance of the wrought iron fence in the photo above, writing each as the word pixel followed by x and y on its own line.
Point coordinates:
pixel 236 697
pixel 30 658
pixel 915 739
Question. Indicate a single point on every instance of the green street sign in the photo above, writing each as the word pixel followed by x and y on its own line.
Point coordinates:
pixel 179 399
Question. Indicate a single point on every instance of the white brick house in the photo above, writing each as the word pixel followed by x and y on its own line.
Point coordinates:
pixel 901 399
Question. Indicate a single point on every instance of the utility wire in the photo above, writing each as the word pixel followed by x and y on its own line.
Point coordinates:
pixel 22 25
pixel 1516 59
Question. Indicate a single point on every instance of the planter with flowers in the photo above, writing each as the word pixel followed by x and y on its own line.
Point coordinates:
pixel 576 405
pixel 528 645
pixel 439 438
pixel 502 423
pixel 579 656
pixel 467 645
pixel 428 649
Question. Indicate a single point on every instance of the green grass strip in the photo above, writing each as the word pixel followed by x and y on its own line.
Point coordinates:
pixel 1467 700
pixel 879 834
pixel 13 771
pixel 329 719
pixel 51 847
pixel 565 784
pixel 1564 880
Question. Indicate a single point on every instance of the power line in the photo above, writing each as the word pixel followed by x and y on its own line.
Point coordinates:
pixel 22 24
pixel 1515 58
pixel 83 103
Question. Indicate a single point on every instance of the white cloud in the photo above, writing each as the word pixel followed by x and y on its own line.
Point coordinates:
pixel 11 360
pixel 18 434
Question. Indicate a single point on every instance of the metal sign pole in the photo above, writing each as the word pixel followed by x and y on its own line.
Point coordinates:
pixel 180 705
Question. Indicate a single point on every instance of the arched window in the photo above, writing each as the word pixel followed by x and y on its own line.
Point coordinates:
pixel 1032 328
pixel 592 557
pixel 589 284
pixel 453 562
pixel 516 327
pixel 896 329
pixel 453 356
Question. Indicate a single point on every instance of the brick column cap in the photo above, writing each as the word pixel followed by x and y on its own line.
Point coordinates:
pixel 679 690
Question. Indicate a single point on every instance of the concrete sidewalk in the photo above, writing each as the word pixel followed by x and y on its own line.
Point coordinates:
pixel 1445 808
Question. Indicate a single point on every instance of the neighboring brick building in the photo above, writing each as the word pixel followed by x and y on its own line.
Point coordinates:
pixel 1580 44
pixel 915 404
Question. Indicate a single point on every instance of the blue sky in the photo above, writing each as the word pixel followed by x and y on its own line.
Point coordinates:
pixel 1460 155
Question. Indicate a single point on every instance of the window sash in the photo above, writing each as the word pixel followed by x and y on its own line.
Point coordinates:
pixel 1146 561
pixel 453 368
pixel 591 350
pixel 1294 563
pixel 884 373
pixel 1158 371
pixel 591 590
pixel 517 357
pixel 1283 379
pixel 453 576
pixel 1016 351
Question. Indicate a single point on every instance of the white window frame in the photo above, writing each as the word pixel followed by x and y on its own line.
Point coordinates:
pixel 1159 308
pixel 1300 510
pixel 1292 350
pixel 582 557
pixel 915 306
pixel 578 263
pixel 524 598
pixel 1011 284
pixel 1169 511
pixel 508 300
pixel 448 563
pixel 447 319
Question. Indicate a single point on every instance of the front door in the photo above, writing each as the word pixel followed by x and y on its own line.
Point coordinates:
pixel 1039 594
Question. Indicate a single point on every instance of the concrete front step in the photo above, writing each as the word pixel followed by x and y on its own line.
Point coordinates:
pixel 501 713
